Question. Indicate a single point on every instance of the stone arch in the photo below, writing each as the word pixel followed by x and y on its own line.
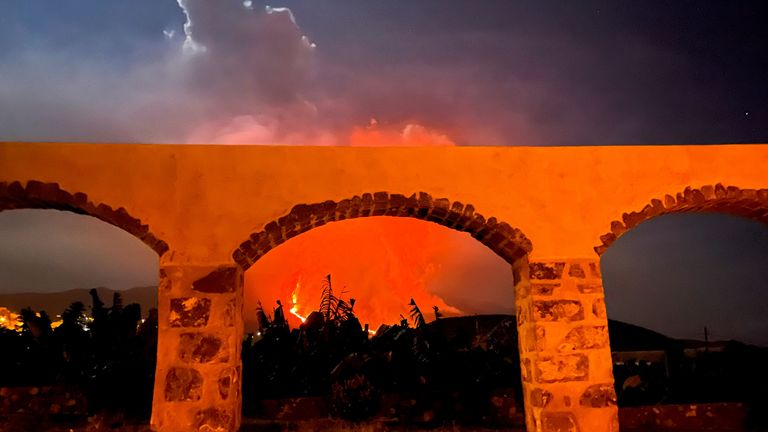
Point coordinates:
pixel 748 203
pixel 564 311
pixel 507 242
pixel 40 195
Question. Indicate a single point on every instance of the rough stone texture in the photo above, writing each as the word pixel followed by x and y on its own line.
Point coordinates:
pixel 575 270
pixel 594 270
pixel 562 368
pixel 229 380
pixel 540 398
pixel 165 284
pixel 566 343
pixel 230 313
pixel 598 396
pixel 598 308
pixel 198 351
pixel 202 348
pixel 189 312
pixel 748 203
pixel 214 420
pixel 559 422
pixel 558 310
pixel 585 337
pixel 546 271
pixel 40 195
pixel 221 280
pixel 590 288
pixel 535 338
pixel 183 384
pixel 543 289
pixel 509 243
pixel 527 370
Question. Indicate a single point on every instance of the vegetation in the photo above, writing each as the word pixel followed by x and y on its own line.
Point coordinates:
pixel 412 371
pixel 108 357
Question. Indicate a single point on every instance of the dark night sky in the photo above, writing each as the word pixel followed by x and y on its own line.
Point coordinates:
pixel 480 73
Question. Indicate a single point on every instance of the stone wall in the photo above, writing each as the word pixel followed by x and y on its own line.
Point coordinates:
pixel 197 383
pixel 507 242
pixel 564 348
pixel 748 203
pixel 40 195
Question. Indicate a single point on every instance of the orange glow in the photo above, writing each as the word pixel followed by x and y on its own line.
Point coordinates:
pixel 9 319
pixel 412 135
pixel 295 302
pixel 381 262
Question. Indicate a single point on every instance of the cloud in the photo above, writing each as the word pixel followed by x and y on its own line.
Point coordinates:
pixel 237 76
pixel 411 135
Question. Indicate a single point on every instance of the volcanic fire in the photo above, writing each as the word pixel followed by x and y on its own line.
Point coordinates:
pixel 295 302
pixel 381 262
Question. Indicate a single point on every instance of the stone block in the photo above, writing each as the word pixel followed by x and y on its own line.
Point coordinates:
pixel 202 348
pixel 522 290
pixel 189 312
pixel 598 396
pixel 521 316
pixel 546 271
pixel 397 203
pixel 214 420
pixel 585 337
pixel 562 368
pixel 558 421
pixel 540 398
pixel 590 288
pixel 230 313
pixel 165 284
pixel 527 370
pixel 183 384
pixel 598 308
pixel 575 270
pixel 380 203
pixel 544 289
pixel 221 280
pixel 228 380
pixel 534 338
pixel 557 310
pixel 476 224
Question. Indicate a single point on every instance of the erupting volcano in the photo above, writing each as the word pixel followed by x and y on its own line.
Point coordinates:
pixel 382 262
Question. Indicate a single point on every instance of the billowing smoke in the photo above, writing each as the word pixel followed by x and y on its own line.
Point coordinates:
pixel 237 74
pixel 248 69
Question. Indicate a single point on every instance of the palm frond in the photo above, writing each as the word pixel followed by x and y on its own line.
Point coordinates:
pixel 416 315
pixel 327 298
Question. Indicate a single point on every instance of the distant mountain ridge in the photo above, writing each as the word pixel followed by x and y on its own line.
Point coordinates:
pixel 623 336
pixel 56 302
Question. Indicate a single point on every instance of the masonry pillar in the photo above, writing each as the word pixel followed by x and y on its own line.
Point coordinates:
pixel 564 350
pixel 197 381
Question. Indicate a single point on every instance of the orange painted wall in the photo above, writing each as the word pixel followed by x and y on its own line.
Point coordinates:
pixel 205 200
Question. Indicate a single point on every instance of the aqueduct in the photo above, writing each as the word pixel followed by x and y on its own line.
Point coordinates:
pixel 212 211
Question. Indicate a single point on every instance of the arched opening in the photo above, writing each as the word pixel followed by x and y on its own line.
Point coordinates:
pixel 86 341
pixel 400 250
pixel 684 282
pixel 507 242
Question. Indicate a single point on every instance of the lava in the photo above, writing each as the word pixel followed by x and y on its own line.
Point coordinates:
pixel 295 302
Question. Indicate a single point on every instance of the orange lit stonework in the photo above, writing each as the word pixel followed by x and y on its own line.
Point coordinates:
pixel 211 212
